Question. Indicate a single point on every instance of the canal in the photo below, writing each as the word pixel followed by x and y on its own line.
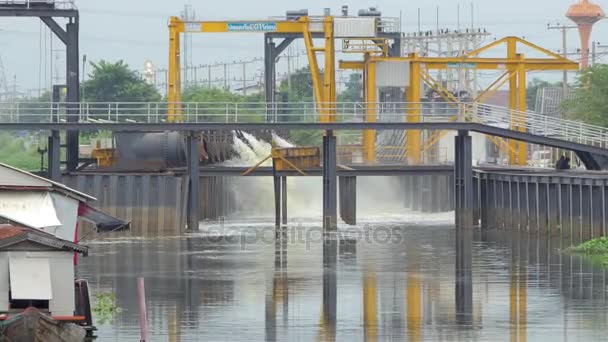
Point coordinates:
pixel 393 278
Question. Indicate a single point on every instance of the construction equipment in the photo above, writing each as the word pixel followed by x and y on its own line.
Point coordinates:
pixel 411 72
pixel 369 25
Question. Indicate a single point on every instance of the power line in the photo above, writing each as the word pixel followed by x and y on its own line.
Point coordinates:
pixel 564 29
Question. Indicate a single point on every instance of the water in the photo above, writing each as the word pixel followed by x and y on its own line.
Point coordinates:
pixel 383 281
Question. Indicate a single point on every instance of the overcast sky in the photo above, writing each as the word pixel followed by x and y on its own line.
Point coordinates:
pixel 136 30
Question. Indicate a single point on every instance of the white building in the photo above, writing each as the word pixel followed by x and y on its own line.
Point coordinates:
pixel 37 269
pixel 32 201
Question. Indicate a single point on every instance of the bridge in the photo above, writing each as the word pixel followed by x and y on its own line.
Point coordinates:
pixel 501 125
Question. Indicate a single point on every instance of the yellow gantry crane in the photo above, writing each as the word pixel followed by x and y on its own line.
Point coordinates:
pixel 514 64
pixel 324 86
pixel 361 34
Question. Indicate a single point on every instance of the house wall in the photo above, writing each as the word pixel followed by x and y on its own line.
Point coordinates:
pixel 62 280
pixel 4 282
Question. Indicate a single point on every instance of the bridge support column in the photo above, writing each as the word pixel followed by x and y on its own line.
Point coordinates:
pixel 463 173
pixel 73 92
pixel 193 153
pixel 53 150
pixel 464 276
pixel 348 199
pixel 54 142
pixel 284 199
pixel 276 180
pixel 330 212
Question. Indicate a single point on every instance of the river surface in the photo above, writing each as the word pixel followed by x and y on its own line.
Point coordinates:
pixel 393 279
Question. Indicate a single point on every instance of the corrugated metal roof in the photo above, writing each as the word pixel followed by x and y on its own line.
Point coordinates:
pixel 7 231
pixel 16 179
pixel 11 235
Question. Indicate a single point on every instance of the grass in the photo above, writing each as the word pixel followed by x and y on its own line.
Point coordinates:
pixel 20 151
pixel 596 250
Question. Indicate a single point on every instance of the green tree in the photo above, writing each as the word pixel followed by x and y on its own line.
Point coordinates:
pixel 117 82
pixel 301 86
pixel 122 86
pixel 590 103
pixel 215 104
pixel 353 91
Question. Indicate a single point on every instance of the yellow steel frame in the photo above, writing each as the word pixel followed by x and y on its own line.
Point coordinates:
pixel 324 86
pixel 414 111
pixel 515 65
pixel 275 155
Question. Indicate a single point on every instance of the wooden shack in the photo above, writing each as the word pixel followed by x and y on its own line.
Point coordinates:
pixel 37 269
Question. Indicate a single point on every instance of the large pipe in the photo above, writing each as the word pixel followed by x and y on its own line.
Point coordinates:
pixel 161 150
pixel 149 150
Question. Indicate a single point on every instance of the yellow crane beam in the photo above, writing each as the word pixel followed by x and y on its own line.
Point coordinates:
pixel 324 89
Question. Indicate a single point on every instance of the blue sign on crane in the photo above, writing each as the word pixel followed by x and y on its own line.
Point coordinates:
pixel 252 27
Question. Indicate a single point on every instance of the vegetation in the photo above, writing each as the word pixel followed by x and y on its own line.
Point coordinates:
pixel 105 308
pixel 301 91
pixel 596 250
pixel 117 82
pixel 590 103
pixel 20 151
pixel 220 101
pixel 353 91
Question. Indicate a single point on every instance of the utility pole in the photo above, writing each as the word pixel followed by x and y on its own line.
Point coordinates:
pixel 225 76
pixel 564 28
pixel 244 78
pixel 14 94
pixel 209 85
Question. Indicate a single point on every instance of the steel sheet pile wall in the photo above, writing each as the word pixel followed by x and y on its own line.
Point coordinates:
pixel 215 197
pixel 569 205
pixel 154 203
pixel 429 193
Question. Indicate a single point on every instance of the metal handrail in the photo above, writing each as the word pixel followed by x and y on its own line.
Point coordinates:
pixel 29 4
pixel 202 112
pixel 542 125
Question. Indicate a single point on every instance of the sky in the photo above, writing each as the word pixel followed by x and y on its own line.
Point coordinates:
pixel 136 30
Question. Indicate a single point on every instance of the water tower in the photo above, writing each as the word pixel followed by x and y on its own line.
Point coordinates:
pixel 585 14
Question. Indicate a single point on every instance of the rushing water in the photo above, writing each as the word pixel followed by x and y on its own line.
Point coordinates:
pixel 380 281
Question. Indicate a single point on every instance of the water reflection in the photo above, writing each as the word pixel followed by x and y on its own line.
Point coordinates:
pixel 433 283
pixel 464 277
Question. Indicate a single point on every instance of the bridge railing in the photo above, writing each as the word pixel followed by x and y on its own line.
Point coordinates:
pixel 226 112
pixel 543 125
pixel 37 4
pixel 258 112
